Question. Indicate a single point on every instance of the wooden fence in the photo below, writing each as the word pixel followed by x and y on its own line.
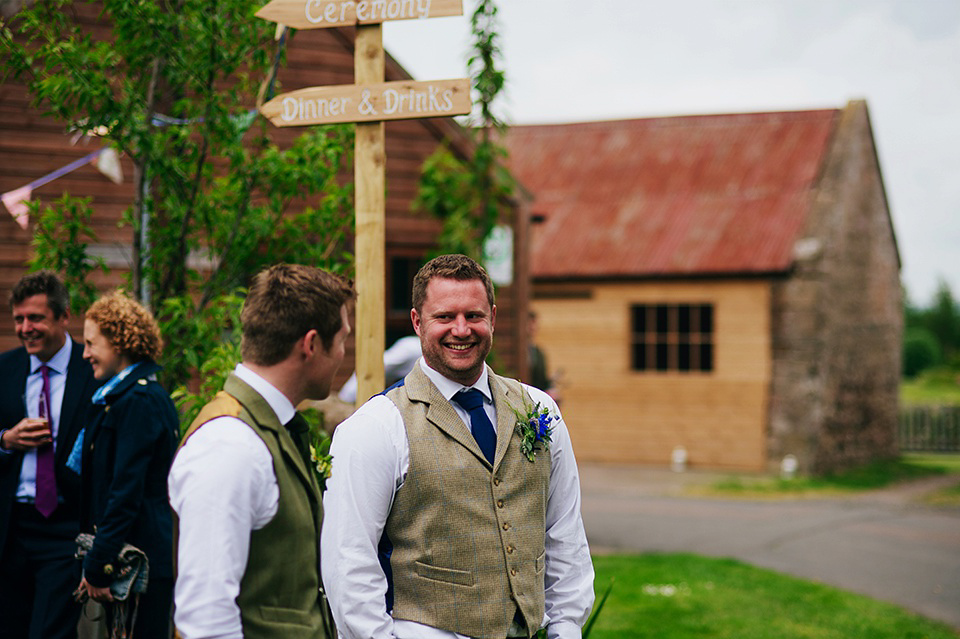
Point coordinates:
pixel 930 428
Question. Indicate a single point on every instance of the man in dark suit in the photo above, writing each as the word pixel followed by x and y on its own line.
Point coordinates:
pixel 43 401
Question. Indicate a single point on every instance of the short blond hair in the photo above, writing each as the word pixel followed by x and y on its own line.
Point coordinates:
pixel 128 326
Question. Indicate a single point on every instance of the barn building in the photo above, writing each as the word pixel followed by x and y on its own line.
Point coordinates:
pixel 727 285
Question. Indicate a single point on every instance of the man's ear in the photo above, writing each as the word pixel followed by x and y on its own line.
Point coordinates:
pixel 415 320
pixel 311 344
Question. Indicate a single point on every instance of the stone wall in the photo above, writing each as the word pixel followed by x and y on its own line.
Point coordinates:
pixel 837 318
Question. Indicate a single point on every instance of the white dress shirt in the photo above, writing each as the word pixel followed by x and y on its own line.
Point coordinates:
pixel 370 460
pixel 222 486
pixel 27 488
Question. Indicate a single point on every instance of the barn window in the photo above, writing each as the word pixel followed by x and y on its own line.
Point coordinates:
pixel 672 337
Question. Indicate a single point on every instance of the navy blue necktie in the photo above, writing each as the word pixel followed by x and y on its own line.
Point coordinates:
pixel 472 401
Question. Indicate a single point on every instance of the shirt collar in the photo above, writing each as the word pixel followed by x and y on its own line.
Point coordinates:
pixel 448 388
pixel 58 363
pixel 282 407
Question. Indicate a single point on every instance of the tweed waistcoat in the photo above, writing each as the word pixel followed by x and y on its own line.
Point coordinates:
pixel 468 539
pixel 280 586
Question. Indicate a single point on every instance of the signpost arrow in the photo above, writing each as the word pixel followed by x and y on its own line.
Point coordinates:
pixel 318 14
pixel 369 102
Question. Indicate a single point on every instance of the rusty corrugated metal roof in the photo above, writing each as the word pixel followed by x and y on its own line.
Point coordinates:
pixel 696 195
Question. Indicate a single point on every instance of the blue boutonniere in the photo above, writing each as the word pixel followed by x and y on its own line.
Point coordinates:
pixel 534 429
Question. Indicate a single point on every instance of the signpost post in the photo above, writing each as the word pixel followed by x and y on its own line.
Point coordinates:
pixel 368 103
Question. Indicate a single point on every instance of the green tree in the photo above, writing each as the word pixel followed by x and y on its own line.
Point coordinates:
pixel 173 87
pixel 932 333
pixel 921 351
pixel 943 321
pixel 468 194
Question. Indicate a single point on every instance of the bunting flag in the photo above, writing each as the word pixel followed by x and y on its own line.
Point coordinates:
pixel 109 164
pixel 16 202
pixel 108 161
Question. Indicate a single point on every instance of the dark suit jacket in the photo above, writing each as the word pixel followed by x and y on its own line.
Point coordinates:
pixel 80 386
pixel 127 451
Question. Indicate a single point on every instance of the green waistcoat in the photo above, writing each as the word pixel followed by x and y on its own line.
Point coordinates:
pixel 468 539
pixel 280 586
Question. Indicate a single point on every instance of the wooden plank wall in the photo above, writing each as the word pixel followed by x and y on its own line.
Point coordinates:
pixel 32 145
pixel 616 415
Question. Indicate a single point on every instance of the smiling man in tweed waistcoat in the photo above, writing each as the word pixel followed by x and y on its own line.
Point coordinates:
pixel 440 526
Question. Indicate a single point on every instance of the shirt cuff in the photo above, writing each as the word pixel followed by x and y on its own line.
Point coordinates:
pixel 563 630
pixel 4 451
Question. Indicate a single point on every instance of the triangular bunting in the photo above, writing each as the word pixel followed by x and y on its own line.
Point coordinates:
pixel 16 203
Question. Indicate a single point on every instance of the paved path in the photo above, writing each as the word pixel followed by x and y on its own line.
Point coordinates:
pixel 883 544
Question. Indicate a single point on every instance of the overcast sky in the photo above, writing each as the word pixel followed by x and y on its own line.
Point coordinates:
pixel 582 60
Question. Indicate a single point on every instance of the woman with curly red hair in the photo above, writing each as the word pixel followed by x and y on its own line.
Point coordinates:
pixel 129 443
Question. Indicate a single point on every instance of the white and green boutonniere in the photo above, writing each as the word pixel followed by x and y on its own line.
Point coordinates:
pixel 322 459
pixel 534 429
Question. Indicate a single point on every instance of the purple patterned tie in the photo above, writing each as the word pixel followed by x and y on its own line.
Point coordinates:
pixel 46 498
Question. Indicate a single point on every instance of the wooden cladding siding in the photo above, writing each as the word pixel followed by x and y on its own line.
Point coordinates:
pixel 618 415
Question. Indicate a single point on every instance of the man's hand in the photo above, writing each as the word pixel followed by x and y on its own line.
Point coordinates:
pixel 28 434
pixel 102 595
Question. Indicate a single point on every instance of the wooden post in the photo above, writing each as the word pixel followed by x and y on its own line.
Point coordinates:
pixel 369 172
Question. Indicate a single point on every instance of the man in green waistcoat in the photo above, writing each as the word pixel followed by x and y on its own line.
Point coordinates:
pixel 242 484
pixel 454 503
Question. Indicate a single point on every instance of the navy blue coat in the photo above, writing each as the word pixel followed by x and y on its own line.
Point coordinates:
pixel 128 447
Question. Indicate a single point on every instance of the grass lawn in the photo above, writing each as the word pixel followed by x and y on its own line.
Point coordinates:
pixel 877 475
pixel 931 388
pixel 681 596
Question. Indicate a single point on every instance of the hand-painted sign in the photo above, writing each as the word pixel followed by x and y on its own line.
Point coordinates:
pixel 369 102
pixel 318 14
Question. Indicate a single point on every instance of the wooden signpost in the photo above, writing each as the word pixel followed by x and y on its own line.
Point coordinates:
pixel 369 102
pixel 317 14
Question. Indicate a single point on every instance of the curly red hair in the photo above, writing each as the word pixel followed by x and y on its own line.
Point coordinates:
pixel 128 326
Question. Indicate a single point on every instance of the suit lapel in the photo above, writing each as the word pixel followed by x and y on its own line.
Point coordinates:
pixel 440 412
pixel 16 393
pixel 18 386
pixel 261 412
pixel 444 416
pixel 506 402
